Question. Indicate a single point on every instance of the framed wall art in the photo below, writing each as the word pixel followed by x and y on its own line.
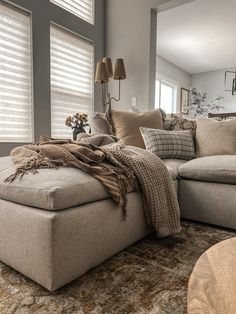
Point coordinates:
pixel 184 100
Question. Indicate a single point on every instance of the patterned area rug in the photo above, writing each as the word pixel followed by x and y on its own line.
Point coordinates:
pixel 149 277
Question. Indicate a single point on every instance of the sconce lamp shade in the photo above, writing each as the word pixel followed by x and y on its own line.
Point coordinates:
pixel 101 76
pixel 119 71
pixel 109 66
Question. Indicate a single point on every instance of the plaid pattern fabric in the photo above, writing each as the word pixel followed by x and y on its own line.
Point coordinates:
pixel 169 144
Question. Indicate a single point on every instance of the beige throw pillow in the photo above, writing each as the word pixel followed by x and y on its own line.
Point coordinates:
pixel 127 124
pixel 215 137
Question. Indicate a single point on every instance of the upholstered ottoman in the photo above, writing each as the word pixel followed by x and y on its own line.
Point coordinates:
pixel 57 224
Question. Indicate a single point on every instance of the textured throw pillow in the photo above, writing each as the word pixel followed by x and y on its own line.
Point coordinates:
pixel 215 137
pixel 99 123
pixel 169 144
pixel 179 123
pixel 125 125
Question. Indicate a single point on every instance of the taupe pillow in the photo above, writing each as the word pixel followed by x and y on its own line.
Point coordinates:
pixel 169 144
pixel 126 125
pixel 215 137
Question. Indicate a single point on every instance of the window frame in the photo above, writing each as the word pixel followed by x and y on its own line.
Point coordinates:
pixel 58 27
pixel 43 13
pixel 90 21
pixel 169 83
pixel 25 11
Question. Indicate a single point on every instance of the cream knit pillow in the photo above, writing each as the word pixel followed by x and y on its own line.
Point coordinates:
pixel 215 137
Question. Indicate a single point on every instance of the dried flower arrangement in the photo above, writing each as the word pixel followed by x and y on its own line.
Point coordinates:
pixel 77 123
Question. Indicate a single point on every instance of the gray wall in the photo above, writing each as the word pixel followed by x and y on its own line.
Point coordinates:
pixel 213 84
pixel 43 13
pixel 177 75
pixel 130 35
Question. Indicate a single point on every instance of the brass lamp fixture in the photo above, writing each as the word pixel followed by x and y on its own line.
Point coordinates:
pixel 104 72
pixel 233 90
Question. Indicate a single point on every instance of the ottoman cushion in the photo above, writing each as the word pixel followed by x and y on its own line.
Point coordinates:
pixel 51 189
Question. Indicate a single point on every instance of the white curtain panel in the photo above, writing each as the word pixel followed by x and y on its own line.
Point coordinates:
pixel 72 63
pixel 15 76
pixel 81 8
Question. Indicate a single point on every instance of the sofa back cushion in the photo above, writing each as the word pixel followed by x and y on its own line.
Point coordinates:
pixel 126 125
pixel 169 144
pixel 215 137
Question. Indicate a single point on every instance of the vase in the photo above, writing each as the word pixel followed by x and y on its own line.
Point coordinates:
pixel 76 132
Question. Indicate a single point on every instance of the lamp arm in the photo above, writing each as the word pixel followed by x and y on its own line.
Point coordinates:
pixel 106 96
pixel 117 99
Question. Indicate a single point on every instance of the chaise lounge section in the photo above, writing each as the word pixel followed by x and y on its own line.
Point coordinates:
pixel 60 223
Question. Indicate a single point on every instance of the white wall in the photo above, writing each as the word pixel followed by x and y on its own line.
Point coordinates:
pixel 213 84
pixel 128 36
pixel 175 74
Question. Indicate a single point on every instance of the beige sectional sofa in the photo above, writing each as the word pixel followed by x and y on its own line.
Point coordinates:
pixel 58 224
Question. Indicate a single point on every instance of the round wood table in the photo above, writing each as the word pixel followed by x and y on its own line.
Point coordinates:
pixel 212 285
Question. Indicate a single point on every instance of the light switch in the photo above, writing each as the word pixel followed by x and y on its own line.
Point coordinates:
pixel 134 101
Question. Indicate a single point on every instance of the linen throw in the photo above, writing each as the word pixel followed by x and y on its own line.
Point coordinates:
pixel 118 167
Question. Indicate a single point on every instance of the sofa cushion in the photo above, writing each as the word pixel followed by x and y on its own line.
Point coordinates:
pixel 173 166
pixel 221 169
pixel 50 189
pixel 126 125
pixel 215 137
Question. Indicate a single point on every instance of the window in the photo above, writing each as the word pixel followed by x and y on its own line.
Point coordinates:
pixel 15 76
pixel 81 8
pixel 166 94
pixel 71 78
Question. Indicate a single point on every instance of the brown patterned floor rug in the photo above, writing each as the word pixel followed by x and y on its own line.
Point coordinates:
pixel 149 277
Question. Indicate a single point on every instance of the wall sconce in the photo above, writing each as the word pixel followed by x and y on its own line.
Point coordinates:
pixel 233 90
pixel 104 72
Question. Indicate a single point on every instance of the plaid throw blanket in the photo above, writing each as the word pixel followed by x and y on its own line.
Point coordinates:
pixel 118 167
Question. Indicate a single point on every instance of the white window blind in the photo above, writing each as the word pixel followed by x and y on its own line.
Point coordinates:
pixel 71 79
pixel 81 8
pixel 15 76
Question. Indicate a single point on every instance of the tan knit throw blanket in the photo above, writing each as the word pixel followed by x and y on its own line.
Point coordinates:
pixel 116 166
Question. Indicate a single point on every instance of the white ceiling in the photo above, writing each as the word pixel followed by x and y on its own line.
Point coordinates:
pixel 199 36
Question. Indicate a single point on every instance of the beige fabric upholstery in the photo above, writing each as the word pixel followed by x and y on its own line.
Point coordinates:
pixel 213 203
pixel 51 189
pixel 65 244
pixel 127 125
pixel 173 166
pixel 215 137
pixel 221 169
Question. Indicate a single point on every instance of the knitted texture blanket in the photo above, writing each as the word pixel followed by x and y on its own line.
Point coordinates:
pixel 118 167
